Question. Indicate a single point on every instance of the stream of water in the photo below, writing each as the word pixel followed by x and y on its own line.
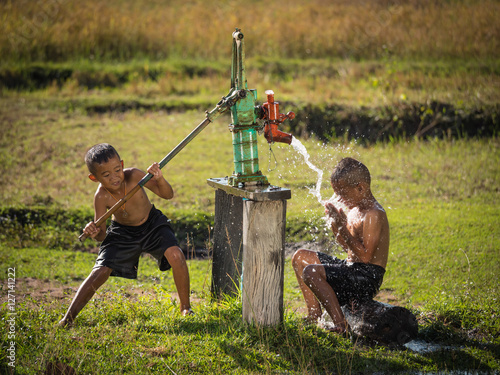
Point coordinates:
pixel 301 149
pixel 316 191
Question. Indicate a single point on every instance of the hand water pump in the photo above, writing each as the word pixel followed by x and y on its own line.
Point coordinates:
pixel 245 114
pixel 250 214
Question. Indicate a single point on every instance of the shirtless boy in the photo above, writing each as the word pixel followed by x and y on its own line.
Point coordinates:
pixel 136 227
pixel 363 234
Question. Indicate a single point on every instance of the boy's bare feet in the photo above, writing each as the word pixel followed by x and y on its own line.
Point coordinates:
pixel 339 329
pixel 187 312
pixel 63 323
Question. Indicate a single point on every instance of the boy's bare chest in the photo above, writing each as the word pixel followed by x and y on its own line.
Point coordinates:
pixel 134 211
pixel 355 224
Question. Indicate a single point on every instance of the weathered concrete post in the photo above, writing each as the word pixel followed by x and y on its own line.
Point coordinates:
pixel 263 220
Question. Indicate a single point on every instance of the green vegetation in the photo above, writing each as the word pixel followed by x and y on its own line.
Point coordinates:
pixel 395 84
pixel 443 265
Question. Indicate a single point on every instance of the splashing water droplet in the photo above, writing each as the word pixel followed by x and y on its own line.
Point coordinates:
pixel 325 321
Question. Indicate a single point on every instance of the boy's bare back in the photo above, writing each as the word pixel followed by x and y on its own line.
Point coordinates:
pixel 363 233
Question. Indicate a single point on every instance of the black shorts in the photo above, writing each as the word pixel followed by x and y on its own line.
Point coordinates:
pixel 124 244
pixel 352 282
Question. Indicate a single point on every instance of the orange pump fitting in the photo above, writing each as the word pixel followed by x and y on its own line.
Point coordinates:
pixel 273 118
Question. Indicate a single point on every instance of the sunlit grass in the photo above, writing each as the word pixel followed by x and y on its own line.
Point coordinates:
pixel 66 61
pixel 440 194
pixel 49 147
pixel 144 314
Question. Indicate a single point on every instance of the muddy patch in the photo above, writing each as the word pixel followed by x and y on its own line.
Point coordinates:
pixel 34 291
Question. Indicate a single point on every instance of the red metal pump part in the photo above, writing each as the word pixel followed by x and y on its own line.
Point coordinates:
pixel 273 118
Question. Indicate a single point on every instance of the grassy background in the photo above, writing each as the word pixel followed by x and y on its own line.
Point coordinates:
pixel 140 75
pixel 69 30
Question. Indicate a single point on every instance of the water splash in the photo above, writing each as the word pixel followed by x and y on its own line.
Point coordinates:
pixel 316 191
pixel 335 199
pixel 326 322
pixel 301 149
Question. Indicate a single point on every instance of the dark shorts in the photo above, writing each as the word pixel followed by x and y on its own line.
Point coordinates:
pixel 124 244
pixel 352 282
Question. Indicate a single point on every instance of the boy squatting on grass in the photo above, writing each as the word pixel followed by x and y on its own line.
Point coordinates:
pixel 137 226
pixel 363 233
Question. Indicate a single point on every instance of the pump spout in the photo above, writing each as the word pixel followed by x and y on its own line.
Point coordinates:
pixel 272 134
pixel 272 118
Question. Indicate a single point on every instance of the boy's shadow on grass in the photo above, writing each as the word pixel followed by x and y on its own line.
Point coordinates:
pixel 288 346
pixel 448 345
pixel 305 348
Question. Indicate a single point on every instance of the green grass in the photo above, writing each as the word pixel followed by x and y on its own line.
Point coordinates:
pixel 440 196
pixel 44 149
pixel 143 314
pixel 461 82
pixel 140 76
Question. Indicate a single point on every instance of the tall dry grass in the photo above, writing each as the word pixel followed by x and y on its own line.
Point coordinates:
pixel 55 30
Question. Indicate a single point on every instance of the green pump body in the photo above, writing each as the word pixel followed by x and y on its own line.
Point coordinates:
pixel 244 127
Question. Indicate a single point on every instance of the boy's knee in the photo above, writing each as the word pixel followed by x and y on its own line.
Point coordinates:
pixel 297 257
pixel 306 274
pixel 310 274
pixel 174 255
pixel 101 272
pixel 97 277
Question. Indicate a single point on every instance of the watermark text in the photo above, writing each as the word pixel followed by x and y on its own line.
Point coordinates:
pixel 11 316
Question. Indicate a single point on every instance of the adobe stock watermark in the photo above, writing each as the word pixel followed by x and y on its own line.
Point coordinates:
pixel 11 317
pixel 45 12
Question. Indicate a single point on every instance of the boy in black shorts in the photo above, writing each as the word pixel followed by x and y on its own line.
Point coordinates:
pixel 363 233
pixel 135 228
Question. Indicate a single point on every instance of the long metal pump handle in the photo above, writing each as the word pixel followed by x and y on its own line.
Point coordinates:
pixel 221 107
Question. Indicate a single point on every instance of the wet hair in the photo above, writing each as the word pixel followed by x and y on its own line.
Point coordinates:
pixel 99 154
pixel 350 171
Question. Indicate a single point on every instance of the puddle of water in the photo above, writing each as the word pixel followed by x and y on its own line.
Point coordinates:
pixel 326 321
pixel 423 347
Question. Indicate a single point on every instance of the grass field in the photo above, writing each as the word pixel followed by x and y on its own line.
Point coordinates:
pixel 140 75
pixel 440 197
